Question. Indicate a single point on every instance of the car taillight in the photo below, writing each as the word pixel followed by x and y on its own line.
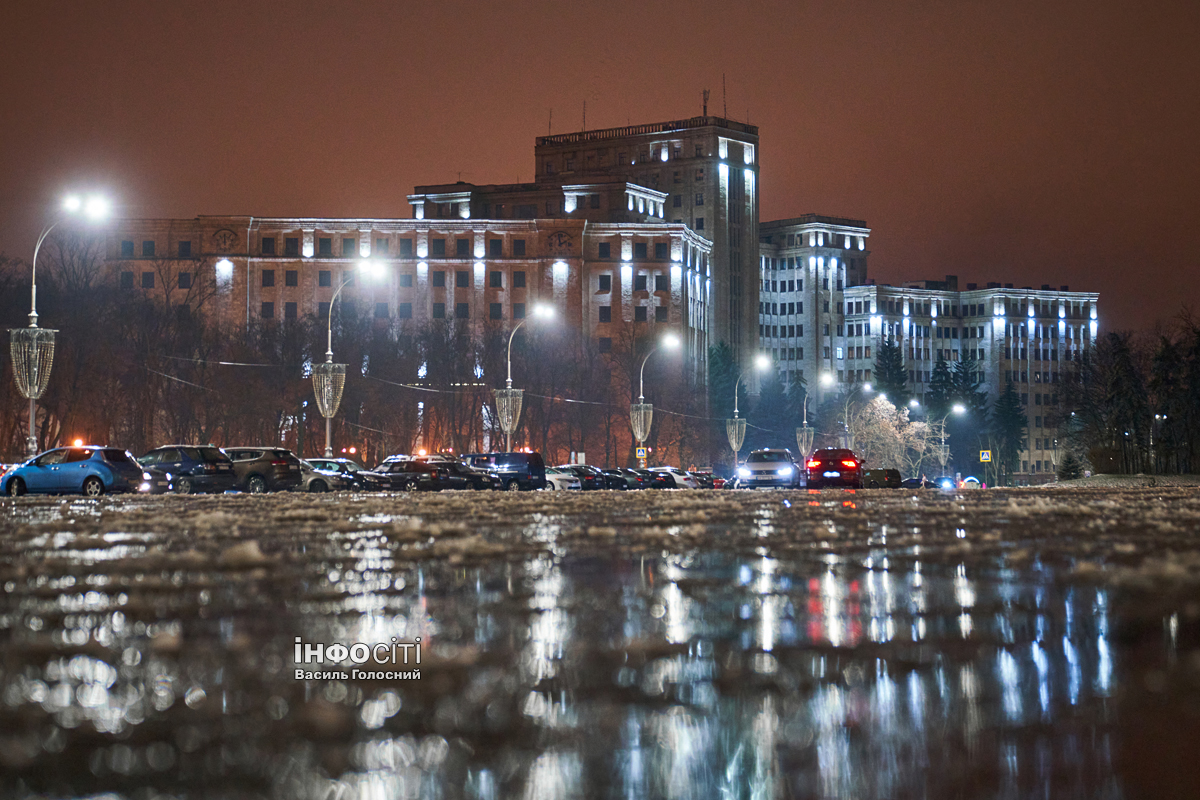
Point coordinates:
pixel 814 464
pixel 849 462
pixel 280 463
pixel 210 467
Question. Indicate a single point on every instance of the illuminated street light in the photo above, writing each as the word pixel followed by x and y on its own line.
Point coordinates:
pixel 641 413
pixel 508 399
pixel 735 429
pixel 329 378
pixel 33 347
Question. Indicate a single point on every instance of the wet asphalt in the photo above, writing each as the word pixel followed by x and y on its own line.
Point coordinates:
pixel 675 644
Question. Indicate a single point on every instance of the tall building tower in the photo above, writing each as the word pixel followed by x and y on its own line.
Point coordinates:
pixel 708 168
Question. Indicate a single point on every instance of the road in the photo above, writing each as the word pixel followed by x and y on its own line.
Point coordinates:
pixel 878 644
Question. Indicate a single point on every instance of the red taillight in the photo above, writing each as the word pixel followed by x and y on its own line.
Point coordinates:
pixel 850 463
pixel 280 463
pixel 814 464
pixel 210 467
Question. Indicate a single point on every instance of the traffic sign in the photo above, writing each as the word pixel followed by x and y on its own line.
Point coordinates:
pixel 985 455
pixel 641 453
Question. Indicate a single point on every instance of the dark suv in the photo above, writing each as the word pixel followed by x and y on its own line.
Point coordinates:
pixel 516 470
pixel 265 469
pixel 834 467
pixel 196 468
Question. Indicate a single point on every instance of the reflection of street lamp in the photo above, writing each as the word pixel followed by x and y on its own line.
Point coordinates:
pixel 641 413
pixel 508 399
pixel 329 378
pixel 735 429
pixel 33 347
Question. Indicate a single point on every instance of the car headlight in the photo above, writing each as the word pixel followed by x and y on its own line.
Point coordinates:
pixel 784 472
pixel 743 472
pixel 146 476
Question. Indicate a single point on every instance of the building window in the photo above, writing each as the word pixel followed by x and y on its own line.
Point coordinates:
pixel 268 246
pixel 126 249
pixel 324 278
pixel 660 313
pixel 639 314
pixel 439 248
pixel 381 247
pixel 348 277
pixel 406 250
pixel 268 311
pixel 605 344
pixel 496 280
pixel 404 310
pixel 439 310
pixel 127 278
pixel 462 248
pixel 605 283
pixel 700 174
pixel 518 311
pixel 185 249
pixel 518 280
pixel 291 278
pixel 324 246
pixel 660 251
pixel 660 283
pixel 147 280
pixel 639 250
pixel 639 283
pixel 518 247
pixel 406 280
pixel 494 311
pixel 439 278
pixel 605 250
pixel 185 280
pixel 462 311
pixel 699 198
pixel 496 247
pixel 462 279
pixel 323 310
pixel 349 246
pixel 289 310
pixel 699 223
pixel 381 311
pixel 147 249
pixel 268 277
pixel 291 246
pixel 606 313
pixel 594 200
pixel 677 201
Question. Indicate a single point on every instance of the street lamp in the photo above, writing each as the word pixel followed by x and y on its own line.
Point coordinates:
pixel 943 452
pixel 508 399
pixel 641 413
pixel 329 378
pixel 32 348
pixel 735 429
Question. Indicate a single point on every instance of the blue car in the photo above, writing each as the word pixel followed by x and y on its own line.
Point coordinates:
pixel 195 468
pixel 87 470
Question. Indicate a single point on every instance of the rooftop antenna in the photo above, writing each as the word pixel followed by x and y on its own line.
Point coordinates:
pixel 550 126
pixel 704 105
pixel 724 102
pixel 585 115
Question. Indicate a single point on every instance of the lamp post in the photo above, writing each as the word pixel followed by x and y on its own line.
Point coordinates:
pixel 32 348
pixel 329 378
pixel 943 451
pixel 641 413
pixel 735 429
pixel 508 399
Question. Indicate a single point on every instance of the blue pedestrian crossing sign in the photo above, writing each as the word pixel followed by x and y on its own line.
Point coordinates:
pixel 641 453
pixel 985 455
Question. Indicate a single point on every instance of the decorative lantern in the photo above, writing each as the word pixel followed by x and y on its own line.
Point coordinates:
pixel 804 440
pixel 508 409
pixel 640 417
pixel 328 381
pixel 735 430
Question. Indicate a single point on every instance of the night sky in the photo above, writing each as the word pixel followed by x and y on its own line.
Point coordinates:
pixel 1022 142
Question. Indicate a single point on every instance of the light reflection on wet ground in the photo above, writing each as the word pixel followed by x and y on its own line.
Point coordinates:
pixel 684 645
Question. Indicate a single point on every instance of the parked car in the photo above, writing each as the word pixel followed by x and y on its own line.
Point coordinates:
pixel 469 477
pixel 881 479
pixel 560 480
pixel 91 470
pixel 589 477
pixel 523 471
pixel 360 479
pixel 622 479
pixel 265 469
pixel 679 478
pixel 195 468
pixel 656 479
pixel 415 476
pixel 831 466
pixel 316 480
pixel 768 468
pixel 917 483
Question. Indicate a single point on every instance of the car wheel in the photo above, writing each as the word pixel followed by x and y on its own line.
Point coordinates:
pixel 256 484
pixel 317 487
pixel 16 487
pixel 512 486
pixel 184 486
pixel 93 487
pixel 411 486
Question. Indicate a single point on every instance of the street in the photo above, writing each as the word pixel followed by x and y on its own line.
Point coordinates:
pixel 689 644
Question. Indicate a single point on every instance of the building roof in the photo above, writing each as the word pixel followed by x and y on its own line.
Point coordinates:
pixel 652 128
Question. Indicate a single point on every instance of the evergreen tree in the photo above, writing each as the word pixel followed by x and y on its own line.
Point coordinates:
pixel 722 372
pixel 770 423
pixel 967 379
pixel 1071 468
pixel 1009 424
pixel 940 395
pixel 891 378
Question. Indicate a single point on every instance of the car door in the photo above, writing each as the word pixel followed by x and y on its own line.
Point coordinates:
pixel 41 473
pixel 170 459
pixel 68 476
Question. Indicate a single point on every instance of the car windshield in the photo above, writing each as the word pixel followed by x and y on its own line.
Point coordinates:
pixel 833 454
pixel 766 456
pixel 351 466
